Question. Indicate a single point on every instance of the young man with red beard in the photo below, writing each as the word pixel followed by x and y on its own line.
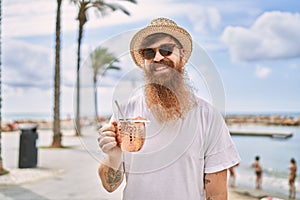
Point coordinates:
pixel 187 149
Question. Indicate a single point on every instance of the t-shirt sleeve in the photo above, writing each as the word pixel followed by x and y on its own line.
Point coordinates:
pixel 220 152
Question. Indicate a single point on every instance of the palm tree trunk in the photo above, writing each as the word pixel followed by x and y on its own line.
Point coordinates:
pixel 2 170
pixel 57 136
pixel 1 162
pixel 95 99
pixel 77 120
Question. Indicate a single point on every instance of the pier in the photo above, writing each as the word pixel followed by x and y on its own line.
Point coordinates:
pixel 264 133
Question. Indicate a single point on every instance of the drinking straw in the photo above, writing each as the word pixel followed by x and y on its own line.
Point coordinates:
pixel 119 109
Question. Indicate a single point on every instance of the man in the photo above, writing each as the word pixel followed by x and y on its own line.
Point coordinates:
pixel 258 172
pixel 292 179
pixel 188 149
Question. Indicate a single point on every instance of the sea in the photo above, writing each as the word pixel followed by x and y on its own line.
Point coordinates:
pixel 16 116
pixel 275 153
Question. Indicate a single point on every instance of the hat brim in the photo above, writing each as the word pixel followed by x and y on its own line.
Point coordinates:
pixel 177 32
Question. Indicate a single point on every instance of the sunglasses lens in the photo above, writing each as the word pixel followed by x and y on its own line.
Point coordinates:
pixel 166 50
pixel 148 53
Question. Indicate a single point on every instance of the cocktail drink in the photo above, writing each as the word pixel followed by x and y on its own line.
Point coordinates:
pixel 131 134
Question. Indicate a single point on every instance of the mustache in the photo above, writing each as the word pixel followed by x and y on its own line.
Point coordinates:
pixel 164 62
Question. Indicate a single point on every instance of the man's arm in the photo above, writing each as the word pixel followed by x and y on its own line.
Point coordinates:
pixel 110 170
pixel 111 178
pixel 215 185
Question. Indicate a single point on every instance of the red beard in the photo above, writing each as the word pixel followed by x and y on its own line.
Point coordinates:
pixel 167 94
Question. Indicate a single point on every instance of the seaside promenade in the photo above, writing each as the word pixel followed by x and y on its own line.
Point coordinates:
pixel 65 173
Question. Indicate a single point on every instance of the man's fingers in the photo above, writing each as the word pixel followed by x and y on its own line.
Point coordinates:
pixel 107 137
pixel 107 127
pixel 108 146
pixel 107 133
pixel 105 140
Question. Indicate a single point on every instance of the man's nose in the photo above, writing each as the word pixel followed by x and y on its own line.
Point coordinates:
pixel 158 56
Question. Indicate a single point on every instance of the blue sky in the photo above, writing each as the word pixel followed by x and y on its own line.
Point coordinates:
pixel 254 45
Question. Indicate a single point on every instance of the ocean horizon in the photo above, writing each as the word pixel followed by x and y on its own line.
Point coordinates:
pixel 14 116
pixel 264 113
pixel 46 116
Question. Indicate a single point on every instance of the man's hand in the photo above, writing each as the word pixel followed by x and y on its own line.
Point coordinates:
pixel 107 141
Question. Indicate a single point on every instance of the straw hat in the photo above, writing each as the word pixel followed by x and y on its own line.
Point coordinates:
pixel 160 25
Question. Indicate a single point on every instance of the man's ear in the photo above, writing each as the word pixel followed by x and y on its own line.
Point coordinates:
pixel 182 53
pixel 183 56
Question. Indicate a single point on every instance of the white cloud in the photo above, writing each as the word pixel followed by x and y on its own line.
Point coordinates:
pixel 29 100
pixel 30 18
pixel 274 35
pixel 26 64
pixel 262 72
pixel 201 17
pixel 204 18
pixel 214 17
pixel 25 18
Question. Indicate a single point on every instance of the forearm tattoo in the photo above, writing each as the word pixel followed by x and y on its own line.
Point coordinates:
pixel 113 177
pixel 206 182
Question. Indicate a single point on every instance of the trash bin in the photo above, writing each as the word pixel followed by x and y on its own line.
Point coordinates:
pixel 28 146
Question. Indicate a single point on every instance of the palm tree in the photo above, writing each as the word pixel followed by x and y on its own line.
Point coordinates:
pixel 83 6
pixel 102 60
pixel 57 136
pixel 2 170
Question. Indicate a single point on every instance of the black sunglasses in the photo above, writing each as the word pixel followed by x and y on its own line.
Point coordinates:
pixel 164 50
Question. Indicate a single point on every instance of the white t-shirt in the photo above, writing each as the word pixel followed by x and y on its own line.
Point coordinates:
pixel 176 154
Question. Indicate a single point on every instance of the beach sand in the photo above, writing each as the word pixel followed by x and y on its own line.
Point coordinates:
pixel 234 195
pixel 242 192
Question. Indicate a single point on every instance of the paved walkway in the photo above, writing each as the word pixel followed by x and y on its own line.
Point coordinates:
pixel 68 173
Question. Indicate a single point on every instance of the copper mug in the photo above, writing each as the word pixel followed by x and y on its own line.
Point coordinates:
pixel 131 135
